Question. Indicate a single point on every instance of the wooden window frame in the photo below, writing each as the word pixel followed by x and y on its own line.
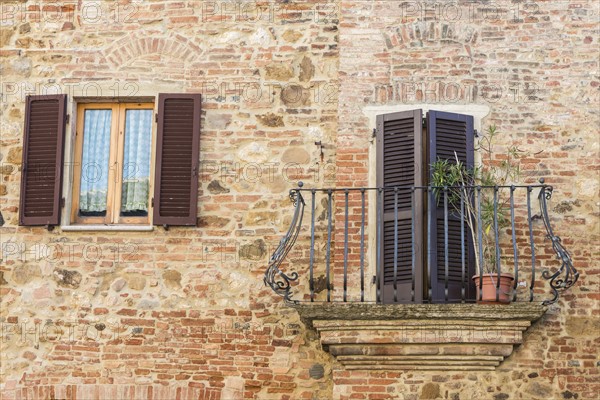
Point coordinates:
pixel 115 170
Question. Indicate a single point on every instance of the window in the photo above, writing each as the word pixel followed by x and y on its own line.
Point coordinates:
pixel 407 143
pixel 117 177
pixel 112 166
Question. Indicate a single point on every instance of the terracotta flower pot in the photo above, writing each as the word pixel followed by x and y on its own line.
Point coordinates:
pixel 489 288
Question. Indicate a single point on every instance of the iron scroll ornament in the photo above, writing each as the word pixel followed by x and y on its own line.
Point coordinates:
pixel 279 281
pixel 566 276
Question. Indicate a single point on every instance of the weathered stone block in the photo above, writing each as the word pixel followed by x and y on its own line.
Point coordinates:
pixel 279 72
pixel 271 120
pixel 67 278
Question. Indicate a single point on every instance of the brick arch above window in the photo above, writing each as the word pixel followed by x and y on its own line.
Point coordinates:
pixel 131 48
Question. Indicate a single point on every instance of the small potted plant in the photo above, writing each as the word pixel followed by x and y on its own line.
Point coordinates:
pixel 462 182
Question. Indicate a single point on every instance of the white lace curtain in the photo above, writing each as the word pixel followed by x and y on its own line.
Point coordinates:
pixel 94 163
pixel 136 161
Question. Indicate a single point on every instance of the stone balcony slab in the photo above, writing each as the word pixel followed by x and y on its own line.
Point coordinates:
pixel 419 336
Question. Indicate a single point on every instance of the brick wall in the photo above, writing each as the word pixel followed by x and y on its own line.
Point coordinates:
pixel 183 312
pixel 537 80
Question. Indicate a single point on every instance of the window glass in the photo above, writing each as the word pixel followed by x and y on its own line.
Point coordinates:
pixel 136 162
pixel 95 163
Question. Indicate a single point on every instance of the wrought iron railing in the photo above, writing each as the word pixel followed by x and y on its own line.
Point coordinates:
pixel 343 245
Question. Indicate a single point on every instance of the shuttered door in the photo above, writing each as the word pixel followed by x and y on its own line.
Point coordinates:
pixel 42 166
pixel 449 133
pixel 399 161
pixel 177 159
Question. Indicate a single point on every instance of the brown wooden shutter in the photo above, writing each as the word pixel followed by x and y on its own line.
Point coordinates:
pixel 177 158
pixel 42 165
pixel 399 163
pixel 449 133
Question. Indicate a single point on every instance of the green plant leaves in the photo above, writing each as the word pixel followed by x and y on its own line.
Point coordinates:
pixel 498 169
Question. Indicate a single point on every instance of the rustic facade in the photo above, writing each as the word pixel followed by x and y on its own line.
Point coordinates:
pixel 183 312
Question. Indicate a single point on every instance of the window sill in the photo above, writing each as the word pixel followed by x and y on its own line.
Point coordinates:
pixel 419 336
pixel 113 228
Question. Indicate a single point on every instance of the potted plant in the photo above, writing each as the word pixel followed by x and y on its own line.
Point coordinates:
pixel 462 182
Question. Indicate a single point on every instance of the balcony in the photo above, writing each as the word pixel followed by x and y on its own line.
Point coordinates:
pixel 364 269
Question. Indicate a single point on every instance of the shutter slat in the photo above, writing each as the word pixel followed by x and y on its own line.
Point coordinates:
pixel 43 149
pixel 177 157
pixel 404 270
pixel 454 250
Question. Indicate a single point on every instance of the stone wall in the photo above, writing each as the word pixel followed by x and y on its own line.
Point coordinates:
pixel 184 312
pixel 186 307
